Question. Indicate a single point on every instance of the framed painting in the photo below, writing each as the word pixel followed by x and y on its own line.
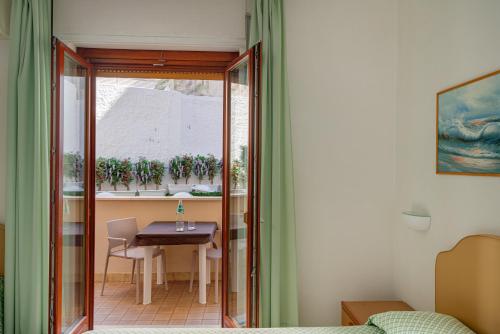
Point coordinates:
pixel 468 128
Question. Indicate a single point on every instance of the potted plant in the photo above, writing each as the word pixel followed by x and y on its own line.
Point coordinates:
pixel 101 173
pixel 175 168
pixel 187 166
pixel 126 172
pixel 212 167
pixel 236 172
pixel 157 171
pixel 114 171
pixel 143 172
pixel 200 167
pixel 220 167
pixel 73 166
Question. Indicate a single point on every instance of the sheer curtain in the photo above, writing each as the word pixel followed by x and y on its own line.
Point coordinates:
pixel 28 169
pixel 279 306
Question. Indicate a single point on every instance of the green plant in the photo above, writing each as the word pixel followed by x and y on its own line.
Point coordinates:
pixel 126 172
pixel 101 172
pixel 206 193
pixel 143 172
pixel 236 172
pixel 175 168
pixel 157 172
pixel 73 166
pixel 200 167
pixel 212 167
pixel 220 167
pixel 187 166
pixel 113 166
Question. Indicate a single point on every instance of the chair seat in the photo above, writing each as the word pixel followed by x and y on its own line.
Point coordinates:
pixel 136 253
pixel 214 253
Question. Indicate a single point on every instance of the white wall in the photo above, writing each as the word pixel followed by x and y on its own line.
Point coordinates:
pixel 342 76
pixel 156 124
pixel 4 62
pixel 187 24
pixel 441 43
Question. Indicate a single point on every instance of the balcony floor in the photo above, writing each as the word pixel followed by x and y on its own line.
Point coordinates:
pixel 176 307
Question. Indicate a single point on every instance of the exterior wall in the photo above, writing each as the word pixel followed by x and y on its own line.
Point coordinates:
pixel 157 124
pixel 342 78
pixel 147 211
pixel 441 43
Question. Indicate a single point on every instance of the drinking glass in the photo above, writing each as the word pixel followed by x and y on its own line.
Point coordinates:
pixel 191 225
pixel 179 226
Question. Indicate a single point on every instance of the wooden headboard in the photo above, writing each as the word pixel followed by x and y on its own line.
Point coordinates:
pixel 468 283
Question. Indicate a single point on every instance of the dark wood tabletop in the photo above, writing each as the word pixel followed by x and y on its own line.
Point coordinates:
pixel 164 233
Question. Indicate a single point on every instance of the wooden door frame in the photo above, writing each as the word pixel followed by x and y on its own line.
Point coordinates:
pixel 253 207
pixel 56 173
pixel 158 63
pixel 210 65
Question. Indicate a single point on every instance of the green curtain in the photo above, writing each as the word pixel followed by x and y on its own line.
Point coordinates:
pixel 28 168
pixel 279 301
pixel 4 17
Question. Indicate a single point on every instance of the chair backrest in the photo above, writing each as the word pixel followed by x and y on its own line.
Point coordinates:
pixel 122 228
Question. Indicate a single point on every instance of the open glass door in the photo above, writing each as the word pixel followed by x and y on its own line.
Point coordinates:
pixel 241 182
pixel 72 189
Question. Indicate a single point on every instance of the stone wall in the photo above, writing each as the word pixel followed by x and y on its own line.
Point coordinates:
pixel 135 119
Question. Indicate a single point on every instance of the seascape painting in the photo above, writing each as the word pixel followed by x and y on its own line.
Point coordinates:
pixel 468 139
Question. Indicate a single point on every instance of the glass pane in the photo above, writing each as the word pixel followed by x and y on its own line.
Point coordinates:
pixel 238 201
pixel 74 214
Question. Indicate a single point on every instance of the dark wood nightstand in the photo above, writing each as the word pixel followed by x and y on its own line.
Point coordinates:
pixel 357 313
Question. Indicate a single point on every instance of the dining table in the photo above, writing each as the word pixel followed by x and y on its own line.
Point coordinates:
pixel 162 233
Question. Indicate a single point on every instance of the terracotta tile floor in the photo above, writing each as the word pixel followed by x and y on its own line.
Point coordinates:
pixel 175 307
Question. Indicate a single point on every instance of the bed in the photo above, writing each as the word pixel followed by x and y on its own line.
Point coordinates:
pixel 302 330
pixel 467 298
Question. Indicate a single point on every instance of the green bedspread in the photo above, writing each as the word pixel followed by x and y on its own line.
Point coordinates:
pixel 302 330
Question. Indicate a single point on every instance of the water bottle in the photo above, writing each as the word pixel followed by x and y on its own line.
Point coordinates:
pixel 179 223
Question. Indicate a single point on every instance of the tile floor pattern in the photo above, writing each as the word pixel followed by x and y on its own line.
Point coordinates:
pixel 175 307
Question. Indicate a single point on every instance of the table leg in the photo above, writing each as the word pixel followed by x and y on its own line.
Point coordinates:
pixel 202 273
pixel 148 266
pixel 159 270
pixel 138 282
pixel 208 273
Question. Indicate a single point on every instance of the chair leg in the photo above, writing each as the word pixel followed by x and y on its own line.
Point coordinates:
pixel 138 282
pixel 216 268
pixel 133 268
pixel 164 264
pixel 193 264
pixel 105 272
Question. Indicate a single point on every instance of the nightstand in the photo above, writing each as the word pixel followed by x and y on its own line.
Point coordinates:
pixel 357 313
